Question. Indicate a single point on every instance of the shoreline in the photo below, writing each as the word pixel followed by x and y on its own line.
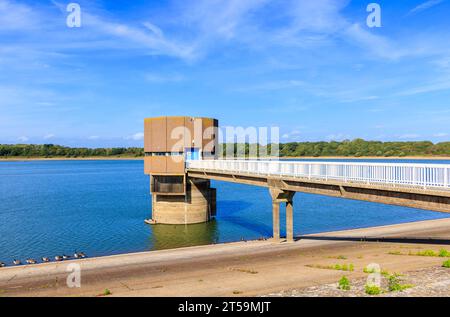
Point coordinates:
pixel 250 268
pixel 132 158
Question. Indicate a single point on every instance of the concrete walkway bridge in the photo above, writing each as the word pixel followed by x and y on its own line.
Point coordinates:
pixel 423 186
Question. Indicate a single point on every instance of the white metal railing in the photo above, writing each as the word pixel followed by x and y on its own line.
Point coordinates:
pixel 390 174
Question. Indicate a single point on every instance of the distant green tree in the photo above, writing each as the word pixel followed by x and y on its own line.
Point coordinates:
pixel 357 147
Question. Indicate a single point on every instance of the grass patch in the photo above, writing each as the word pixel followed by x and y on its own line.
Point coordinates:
pixel 369 271
pixel 344 267
pixel 344 284
pixel 426 253
pixel 338 257
pixel 372 290
pixel 373 270
pixel 394 283
pixel 443 253
pixel 106 292
pixel 446 264
pixel 338 267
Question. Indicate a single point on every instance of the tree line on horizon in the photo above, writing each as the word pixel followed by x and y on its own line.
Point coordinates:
pixel 356 148
pixel 52 150
pixel 350 148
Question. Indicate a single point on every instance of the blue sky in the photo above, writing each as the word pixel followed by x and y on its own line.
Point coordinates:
pixel 312 68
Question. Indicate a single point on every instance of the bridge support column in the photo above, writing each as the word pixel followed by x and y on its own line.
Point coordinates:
pixel 282 196
pixel 290 221
pixel 276 220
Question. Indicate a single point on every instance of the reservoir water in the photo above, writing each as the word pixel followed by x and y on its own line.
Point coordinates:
pixel 50 208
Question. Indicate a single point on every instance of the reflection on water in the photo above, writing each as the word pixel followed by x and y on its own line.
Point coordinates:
pixel 176 236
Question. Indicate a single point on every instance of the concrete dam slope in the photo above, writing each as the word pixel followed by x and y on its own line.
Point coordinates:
pixel 253 267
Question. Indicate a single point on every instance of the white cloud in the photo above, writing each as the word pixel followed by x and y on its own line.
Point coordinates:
pixel 23 139
pixel 427 88
pixel 377 45
pixel 163 78
pixel 156 30
pixel 16 16
pixel 93 137
pixel 49 136
pixel 204 25
pixel 138 37
pixel 425 6
pixel 45 103
pixel 293 135
pixel 441 135
pixel 360 98
pixel 321 16
pixel 443 63
pixel 337 137
pixel 273 85
pixel 219 18
pixel 409 136
pixel 136 137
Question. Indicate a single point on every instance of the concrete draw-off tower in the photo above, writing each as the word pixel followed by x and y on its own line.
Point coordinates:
pixel 168 143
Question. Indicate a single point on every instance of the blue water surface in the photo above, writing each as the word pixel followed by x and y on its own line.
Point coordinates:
pixel 98 207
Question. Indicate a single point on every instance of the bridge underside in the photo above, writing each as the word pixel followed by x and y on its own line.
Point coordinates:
pixel 282 190
pixel 428 199
pixel 420 198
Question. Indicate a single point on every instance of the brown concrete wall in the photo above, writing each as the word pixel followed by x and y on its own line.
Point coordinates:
pixel 147 163
pixel 195 207
pixel 160 135
pixel 155 164
pixel 175 165
pixel 175 135
pixel 147 135
pixel 198 133
pixel 164 165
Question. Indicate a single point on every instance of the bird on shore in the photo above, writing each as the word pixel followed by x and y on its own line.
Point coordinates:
pixel 31 261
pixel 66 257
pixel 58 258
pixel 2 264
pixel 79 255
pixel 45 259
pixel 17 262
